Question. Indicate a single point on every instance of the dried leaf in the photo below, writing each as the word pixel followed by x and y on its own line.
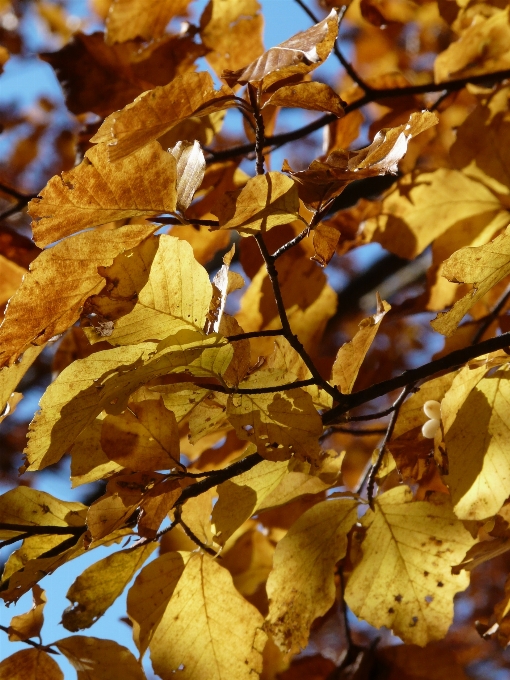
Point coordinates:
pixel 29 625
pixel 310 95
pixel 301 586
pixel 190 171
pixel 205 609
pixel 97 192
pixel 403 580
pixel 30 663
pixel 100 659
pixel 351 355
pixel 224 282
pixel 156 111
pixel 128 20
pixel 265 202
pixel 300 54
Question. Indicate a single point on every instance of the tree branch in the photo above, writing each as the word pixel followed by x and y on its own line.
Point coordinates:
pixel 43 648
pixel 257 390
pixel 254 334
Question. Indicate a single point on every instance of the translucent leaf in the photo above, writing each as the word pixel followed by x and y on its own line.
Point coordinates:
pixel 190 171
pixel 301 586
pixel 29 625
pixel 97 192
pixel 156 111
pixel 311 95
pixel 30 663
pixel 300 54
pixel 89 463
pixel 25 505
pixel 281 424
pixel 351 355
pixel 403 579
pixel 224 282
pixel 52 294
pixel 10 376
pixel 97 588
pixel 214 631
pixel 484 267
pixel 265 202
pixel 100 659
pixel 128 20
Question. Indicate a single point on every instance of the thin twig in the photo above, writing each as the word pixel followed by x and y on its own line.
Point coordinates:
pixel 190 534
pixel 254 334
pixel 492 316
pixel 344 608
pixel 257 390
pixel 38 530
pixel 290 244
pixel 43 648
pixel 370 416
pixel 391 426
pixel 449 362
pixel 176 221
pixel 358 433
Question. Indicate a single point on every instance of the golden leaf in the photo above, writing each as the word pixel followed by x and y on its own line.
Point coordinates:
pixel 298 55
pixel 156 111
pixel 89 463
pixel 190 171
pixel 52 294
pixel 351 355
pixel 403 580
pixel 97 192
pixel 127 20
pixel 196 514
pixel 249 560
pixel 29 625
pixel 149 595
pixel 97 588
pixel 224 282
pixel 476 444
pixel 280 424
pixel 10 278
pixel 484 267
pixel 301 586
pixel 240 497
pixel 24 505
pixel 10 376
pixel 205 609
pixel 310 95
pixel 100 659
pixel 265 202
pixel 30 663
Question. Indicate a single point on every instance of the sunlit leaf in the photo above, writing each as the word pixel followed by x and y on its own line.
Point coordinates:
pixel 28 625
pixel 190 171
pixel 100 659
pixel 128 20
pixel 311 95
pixel 30 663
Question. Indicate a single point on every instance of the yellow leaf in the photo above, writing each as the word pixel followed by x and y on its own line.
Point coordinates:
pixel 10 376
pixel 190 171
pixel 196 514
pixel 403 580
pixel 476 445
pixel 233 33
pixel 97 588
pixel 30 664
pixel 482 48
pixel 484 267
pixel 149 595
pixel 240 497
pixel 204 611
pixel 52 294
pixel 104 381
pixel 25 505
pixel 162 300
pixel 89 463
pixel 156 111
pixel 11 275
pixel 280 424
pixel 265 202
pixel 419 210
pixel 97 192
pixel 145 437
pixel 128 20
pixel 10 406
pixel 29 625
pixel 249 560
pixel 224 282
pixel 100 659
pixel 351 355
pixel 301 586
pixel 310 95
pixel 300 54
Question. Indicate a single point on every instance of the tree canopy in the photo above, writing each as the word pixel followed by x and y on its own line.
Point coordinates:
pixel 266 309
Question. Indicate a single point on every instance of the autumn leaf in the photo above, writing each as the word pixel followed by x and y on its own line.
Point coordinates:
pixel 190 171
pixel 68 275
pixel 301 54
pixel 29 625
pixel 280 424
pixel 99 659
pixel 97 192
pixel 128 20
pixel 224 282
pixel 403 580
pixel 484 267
pixel 156 111
pixel 265 202
pixel 351 355
pixel 97 588
pixel 204 610
pixel 311 95
pixel 30 663
pixel 10 376
pixel 301 586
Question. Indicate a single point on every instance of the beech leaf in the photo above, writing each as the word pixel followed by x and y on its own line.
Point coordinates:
pixel 127 20
pixel 190 171
pixel 29 625
pixel 311 95
pixel 30 663
pixel 100 659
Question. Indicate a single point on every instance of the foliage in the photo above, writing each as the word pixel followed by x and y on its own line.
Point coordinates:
pixel 209 379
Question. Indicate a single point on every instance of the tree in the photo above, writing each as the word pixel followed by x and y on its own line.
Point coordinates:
pixel 212 388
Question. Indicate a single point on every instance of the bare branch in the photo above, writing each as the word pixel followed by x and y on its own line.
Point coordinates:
pixel 43 648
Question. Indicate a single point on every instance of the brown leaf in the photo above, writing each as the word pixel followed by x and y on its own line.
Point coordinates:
pixel 300 54
pixel 30 663
pixel 100 659
pixel 29 625
pixel 155 112
pixel 128 19
pixel 311 95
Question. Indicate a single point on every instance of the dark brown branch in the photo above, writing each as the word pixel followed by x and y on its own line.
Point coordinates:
pixel 257 390
pixel 176 221
pixel 43 648
pixel 391 426
pixel 358 433
pixel 254 334
pixel 37 530
pixel 290 244
pixel 191 534
pixel 448 363
pixel 372 96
